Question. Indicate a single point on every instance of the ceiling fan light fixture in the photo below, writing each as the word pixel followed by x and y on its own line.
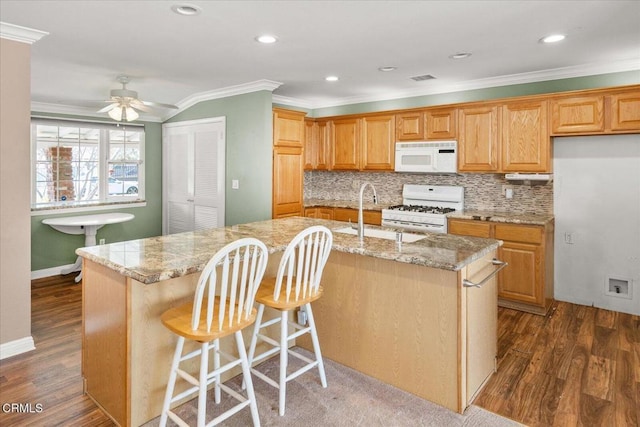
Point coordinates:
pixel 123 113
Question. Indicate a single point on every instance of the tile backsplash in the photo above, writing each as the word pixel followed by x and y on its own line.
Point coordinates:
pixel 481 191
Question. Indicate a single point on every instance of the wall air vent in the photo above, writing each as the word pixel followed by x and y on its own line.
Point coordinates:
pixel 424 77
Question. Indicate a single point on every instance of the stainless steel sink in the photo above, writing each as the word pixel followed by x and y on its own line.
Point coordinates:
pixel 382 234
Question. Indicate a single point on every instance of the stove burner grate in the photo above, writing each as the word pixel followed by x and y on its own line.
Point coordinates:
pixel 422 209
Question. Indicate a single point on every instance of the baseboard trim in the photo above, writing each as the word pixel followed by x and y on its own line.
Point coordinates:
pixel 13 348
pixel 48 272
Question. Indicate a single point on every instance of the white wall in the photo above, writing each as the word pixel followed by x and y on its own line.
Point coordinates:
pixel 597 201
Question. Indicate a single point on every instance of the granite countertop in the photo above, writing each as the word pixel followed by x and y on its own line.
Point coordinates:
pixel 164 257
pixel 349 204
pixel 506 217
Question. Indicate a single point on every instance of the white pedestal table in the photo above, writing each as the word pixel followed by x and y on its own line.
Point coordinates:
pixel 87 225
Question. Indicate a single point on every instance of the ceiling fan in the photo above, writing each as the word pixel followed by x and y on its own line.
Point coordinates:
pixel 124 103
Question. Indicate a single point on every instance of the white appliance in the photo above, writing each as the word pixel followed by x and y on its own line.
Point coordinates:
pixel 427 157
pixel 424 208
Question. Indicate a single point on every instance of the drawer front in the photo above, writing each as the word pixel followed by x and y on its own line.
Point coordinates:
pixel 469 228
pixel 346 214
pixel 519 233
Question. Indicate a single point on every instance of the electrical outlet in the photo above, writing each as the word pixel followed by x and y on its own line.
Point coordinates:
pixel 568 238
pixel 507 191
pixel 235 184
pixel 102 241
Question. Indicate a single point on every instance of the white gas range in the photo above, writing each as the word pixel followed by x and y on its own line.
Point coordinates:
pixel 424 207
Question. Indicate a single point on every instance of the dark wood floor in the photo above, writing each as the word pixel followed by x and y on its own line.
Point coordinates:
pixel 580 366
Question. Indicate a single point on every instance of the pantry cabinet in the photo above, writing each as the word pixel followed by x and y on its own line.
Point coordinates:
pixel 378 143
pixel 287 181
pixel 478 139
pixel 526 145
pixel 289 130
pixel 527 282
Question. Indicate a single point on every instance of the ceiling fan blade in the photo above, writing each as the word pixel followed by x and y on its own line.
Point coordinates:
pixel 108 108
pixel 158 104
pixel 139 105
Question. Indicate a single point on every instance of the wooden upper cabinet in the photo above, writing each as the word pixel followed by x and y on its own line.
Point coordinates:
pixel 526 145
pixel 345 144
pixel 288 128
pixel 583 114
pixel 441 124
pixel 410 126
pixel 625 111
pixel 378 143
pixel 478 139
pixel 322 146
pixel 316 145
pixel 310 137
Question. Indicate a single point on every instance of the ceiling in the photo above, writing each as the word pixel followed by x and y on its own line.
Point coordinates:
pixel 180 60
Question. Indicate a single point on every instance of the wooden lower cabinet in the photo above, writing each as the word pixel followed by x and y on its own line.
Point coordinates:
pixel 344 214
pixel 527 282
pixel 320 213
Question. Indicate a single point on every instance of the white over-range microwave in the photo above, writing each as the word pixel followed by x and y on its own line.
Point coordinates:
pixel 427 157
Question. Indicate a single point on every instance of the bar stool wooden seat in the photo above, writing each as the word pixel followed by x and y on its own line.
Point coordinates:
pixel 296 285
pixel 223 305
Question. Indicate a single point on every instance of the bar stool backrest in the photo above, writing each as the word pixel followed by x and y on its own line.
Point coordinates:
pixel 232 286
pixel 302 264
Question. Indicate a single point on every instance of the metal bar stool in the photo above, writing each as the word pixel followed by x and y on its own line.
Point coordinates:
pixel 222 305
pixel 297 284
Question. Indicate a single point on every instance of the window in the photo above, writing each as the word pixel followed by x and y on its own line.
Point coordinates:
pixel 85 163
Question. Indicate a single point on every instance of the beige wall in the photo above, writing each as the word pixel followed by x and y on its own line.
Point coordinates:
pixel 15 213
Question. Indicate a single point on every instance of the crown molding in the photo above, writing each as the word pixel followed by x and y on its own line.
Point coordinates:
pixel 293 102
pixel 240 89
pixel 20 34
pixel 512 79
pixel 43 107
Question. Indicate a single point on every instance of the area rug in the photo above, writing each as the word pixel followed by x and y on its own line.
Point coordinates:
pixel 351 399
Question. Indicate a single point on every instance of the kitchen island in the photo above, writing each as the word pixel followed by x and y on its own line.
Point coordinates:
pixel 400 314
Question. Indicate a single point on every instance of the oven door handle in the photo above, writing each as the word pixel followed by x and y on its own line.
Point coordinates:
pixel 469 284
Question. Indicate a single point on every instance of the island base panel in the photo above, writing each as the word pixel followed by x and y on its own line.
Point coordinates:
pixel 393 321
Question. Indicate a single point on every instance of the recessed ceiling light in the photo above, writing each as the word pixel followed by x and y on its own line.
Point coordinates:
pixel 385 69
pixel 266 39
pixel 186 9
pixel 553 38
pixel 331 78
pixel 460 55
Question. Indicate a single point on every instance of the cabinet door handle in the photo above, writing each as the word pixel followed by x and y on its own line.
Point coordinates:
pixel 469 284
pixel 190 200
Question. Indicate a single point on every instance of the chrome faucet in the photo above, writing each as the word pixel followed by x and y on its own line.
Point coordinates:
pixel 360 216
